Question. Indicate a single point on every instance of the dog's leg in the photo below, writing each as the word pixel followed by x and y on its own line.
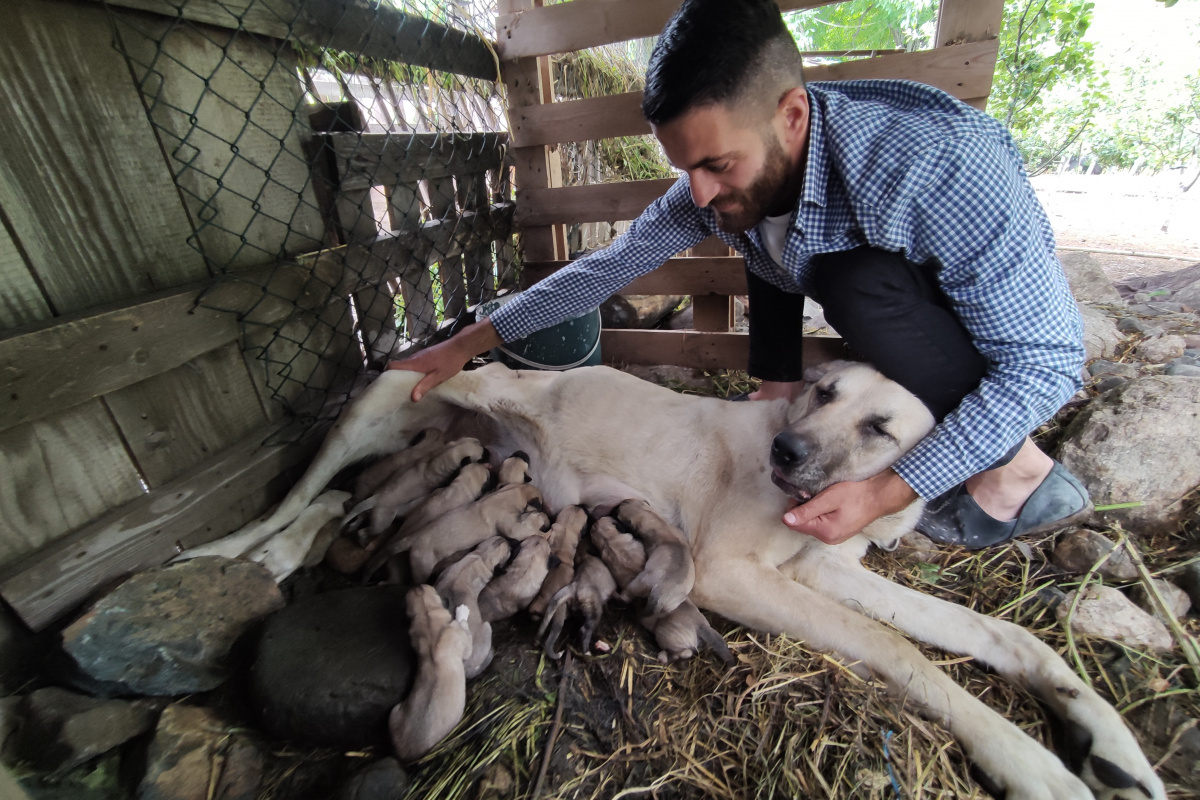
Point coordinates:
pixel 1103 751
pixel 762 597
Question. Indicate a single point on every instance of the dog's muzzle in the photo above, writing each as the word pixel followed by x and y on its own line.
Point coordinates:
pixel 789 454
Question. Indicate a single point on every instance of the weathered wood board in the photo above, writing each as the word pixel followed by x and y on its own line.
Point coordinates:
pixel 21 301
pixel 55 366
pixel 83 182
pixel 175 420
pixel 387 159
pixel 699 350
pixel 58 473
pixel 231 114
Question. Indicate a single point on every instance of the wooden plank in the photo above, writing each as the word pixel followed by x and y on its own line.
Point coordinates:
pixel 388 159
pixel 711 312
pixel 21 300
pixel 962 70
pixel 969 21
pixel 477 261
pixel 230 112
pixel 98 353
pixel 699 350
pixel 721 276
pixel 449 265
pixel 354 26
pixel 602 202
pixel 175 420
pixel 565 27
pixel 58 473
pixel 416 281
pixel 83 182
pixel 149 530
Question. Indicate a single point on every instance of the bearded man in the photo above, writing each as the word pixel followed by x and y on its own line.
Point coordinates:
pixel 905 213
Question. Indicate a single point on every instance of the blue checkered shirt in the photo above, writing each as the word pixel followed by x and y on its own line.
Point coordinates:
pixel 906 168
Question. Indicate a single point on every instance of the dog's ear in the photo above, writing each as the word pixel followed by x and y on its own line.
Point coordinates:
pixel 521 454
pixel 817 371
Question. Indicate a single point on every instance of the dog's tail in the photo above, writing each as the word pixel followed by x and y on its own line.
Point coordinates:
pixel 710 637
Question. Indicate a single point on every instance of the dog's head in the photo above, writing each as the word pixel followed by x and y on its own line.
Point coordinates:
pixel 849 424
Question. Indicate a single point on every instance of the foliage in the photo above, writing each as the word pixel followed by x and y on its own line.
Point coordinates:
pixel 866 25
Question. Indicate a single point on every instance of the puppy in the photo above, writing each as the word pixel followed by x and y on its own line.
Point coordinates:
pixel 624 555
pixel 669 574
pixel 515 470
pixel 374 476
pixel 470 484
pixel 564 542
pixel 587 593
pixel 439 693
pixel 511 591
pixel 407 488
pixel 460 586
pixel 681 632
pixel 506 512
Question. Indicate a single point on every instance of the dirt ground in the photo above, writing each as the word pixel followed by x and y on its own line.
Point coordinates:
pixel 1148 215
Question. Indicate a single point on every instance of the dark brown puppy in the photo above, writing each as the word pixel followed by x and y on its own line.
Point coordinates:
pixel 680 634
pixel 592 587
pixel 624 555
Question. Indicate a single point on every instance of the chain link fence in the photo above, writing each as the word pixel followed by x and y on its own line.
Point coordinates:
pixel 342 163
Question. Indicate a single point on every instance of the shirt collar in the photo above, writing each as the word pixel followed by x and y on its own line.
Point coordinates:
pixel 816 170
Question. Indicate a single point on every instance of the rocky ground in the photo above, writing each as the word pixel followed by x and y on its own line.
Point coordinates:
pixel 161 689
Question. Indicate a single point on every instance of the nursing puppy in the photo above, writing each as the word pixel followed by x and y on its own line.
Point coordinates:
pixel 682 632
pixel 514 470
pixel 564 542
pixel 590 590
pixel 624 555
pixel 460 586
pixel 377 474
pixel 512 590
pixel 405 489
pixel 438 696
pixel 669 574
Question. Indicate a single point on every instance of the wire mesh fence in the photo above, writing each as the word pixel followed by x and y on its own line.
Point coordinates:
pixel 342 163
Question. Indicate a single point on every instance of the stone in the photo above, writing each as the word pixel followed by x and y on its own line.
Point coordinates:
pixel 384 779
pixel 1101 367
pixel 1100 335
pixel 1139 442
pixel 637 310
pixel 195 755
pixel 1078 551
pixel 1182 371
pixel 1177 600
pixel 1160 350
pixel 1135 325
pixel 1103 611
pixel 1188 579
pixel 61 730
pixel 169 630
pixel 329 668
pixel 1188 295
pixel 1087 279
pixel 1111 382
pixel 1192 341
pixel 10 722
pixel 16 652
pixel 681 320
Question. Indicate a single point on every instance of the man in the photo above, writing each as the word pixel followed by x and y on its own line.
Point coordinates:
pixel 905 213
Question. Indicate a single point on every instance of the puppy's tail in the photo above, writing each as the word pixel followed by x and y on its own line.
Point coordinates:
pixel 710 636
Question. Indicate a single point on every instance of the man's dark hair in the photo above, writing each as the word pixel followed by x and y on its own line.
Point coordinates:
pixel 720 51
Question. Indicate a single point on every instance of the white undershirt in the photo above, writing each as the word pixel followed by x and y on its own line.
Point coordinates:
pixel 773 231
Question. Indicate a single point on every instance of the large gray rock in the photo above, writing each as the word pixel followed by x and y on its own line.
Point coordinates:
pixel 1080 550
pixel 330 667
pixel 1103 611
pixel 384 779
pixel 169 631
pixel 1087 279
pixel 1100 335
pixel 196 756
pixel 1160 350
pixel 1139 442
pixel 637 310
pixel 61 730
pixel 1176 599
pixel 1188 295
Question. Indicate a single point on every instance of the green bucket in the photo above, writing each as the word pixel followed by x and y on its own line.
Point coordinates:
pixel 572 343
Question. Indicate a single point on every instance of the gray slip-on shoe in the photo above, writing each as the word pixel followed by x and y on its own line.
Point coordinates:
pixel 955 518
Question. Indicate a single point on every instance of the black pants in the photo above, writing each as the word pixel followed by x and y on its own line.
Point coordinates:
pixel 890 311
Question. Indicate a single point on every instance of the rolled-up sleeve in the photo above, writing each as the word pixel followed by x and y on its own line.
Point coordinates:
pixel 977 217
pixel 670 224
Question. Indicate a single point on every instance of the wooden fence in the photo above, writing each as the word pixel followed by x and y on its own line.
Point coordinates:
pixel 961 63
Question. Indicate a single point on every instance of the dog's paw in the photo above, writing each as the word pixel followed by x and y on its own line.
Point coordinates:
pixel 1112 764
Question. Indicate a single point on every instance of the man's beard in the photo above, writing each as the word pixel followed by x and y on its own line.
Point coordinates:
pixel 766 193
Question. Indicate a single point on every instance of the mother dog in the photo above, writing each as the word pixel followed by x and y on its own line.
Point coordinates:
pixel 597 436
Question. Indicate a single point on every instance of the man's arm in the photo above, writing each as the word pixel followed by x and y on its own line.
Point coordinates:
pixel 776 328
pixel 670 224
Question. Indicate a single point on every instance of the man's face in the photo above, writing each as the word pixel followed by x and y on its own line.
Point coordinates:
pixel 739 169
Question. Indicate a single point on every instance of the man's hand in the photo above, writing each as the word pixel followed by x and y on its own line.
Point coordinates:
pixel 773 390
pixel 843 509
pixel 444 360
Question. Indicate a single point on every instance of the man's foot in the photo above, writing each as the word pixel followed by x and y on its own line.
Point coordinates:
pixel 1054 500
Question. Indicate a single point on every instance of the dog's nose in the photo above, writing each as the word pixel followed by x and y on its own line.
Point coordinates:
pixel 788 450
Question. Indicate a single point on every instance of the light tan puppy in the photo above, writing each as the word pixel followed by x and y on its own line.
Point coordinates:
pixel 405 489
pixel 624 555
pixel 514 470
pixel 669 574
pixel 592 587
pixel 680 634
pixel 439 693
pixel 376 475
pixel 564 542
pixel 461 584
pixel 470 484
pixel 511 591
pixel 507 512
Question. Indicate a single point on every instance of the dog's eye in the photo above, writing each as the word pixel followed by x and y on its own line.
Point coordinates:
pixel 878 427
pixel 822 395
